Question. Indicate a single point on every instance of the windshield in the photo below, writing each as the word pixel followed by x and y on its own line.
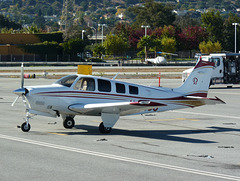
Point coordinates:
pixel 67 80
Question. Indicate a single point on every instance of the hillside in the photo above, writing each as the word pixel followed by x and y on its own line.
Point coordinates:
pixel 48 12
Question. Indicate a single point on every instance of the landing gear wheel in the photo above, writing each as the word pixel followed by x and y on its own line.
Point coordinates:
pixel 25 127
pixel 103 129
pixel 69 123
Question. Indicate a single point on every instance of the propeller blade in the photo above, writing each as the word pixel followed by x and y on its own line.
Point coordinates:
pixel 22 76
pixel 15 101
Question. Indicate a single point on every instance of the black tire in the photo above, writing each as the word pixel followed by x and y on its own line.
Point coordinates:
pixel 103 129
pixel 68 123
pixel 25 127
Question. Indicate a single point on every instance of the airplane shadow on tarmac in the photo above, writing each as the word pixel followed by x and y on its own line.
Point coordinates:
pixel 229 88
pixel 170 135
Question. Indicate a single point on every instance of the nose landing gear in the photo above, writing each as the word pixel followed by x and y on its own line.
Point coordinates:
pixel 25 127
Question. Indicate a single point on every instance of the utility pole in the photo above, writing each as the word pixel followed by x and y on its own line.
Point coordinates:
pixel 67 18
pixel 235 24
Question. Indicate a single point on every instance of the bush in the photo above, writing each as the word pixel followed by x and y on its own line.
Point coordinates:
pixel 95 60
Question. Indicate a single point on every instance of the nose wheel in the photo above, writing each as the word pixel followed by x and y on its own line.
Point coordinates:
pixel 25 127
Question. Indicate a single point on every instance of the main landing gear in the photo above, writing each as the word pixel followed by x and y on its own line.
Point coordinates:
pixel 104 129
pixel 68 123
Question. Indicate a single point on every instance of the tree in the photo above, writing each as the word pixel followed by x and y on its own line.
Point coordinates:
pixel 6 23
pixel 39 21
pixel 168 44
pixel 134 37
pixel 190 37
pixel 115 44
pixel 229 33
pixel 98 50
pixel 154 14
pixel 210 47
pixel 32 29
pixel 146 42
pixel 213 22
pixel 123 30
pixel 156 45
pixel 74 46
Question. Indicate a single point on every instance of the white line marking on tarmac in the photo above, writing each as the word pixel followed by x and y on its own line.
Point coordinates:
pixel 120 158
pixel 205 114
pixel 228 93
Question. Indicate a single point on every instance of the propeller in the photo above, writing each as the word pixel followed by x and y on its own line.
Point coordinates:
pixel 21 92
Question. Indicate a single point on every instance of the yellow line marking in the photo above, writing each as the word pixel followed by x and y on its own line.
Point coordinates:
pixel 96 121
pixel 180 119
pixel 61 134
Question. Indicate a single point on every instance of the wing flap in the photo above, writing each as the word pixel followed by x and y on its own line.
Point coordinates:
pixel 115 107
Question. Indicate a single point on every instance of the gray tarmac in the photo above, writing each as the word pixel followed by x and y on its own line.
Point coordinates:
pixel 190 144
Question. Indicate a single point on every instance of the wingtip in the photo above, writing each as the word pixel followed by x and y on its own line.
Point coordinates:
pixel 220 100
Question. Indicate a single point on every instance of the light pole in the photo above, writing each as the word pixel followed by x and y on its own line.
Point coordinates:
pixel 146 27
pixel 102 25
pixel 83 31
pixel 235 24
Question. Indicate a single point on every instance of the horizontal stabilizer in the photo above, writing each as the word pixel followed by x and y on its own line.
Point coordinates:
pixel 206 101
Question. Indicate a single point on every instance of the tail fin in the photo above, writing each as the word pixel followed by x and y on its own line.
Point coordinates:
pixel 198 81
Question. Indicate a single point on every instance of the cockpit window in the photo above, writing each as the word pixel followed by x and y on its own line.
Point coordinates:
pixel 67 80
pixel 85 84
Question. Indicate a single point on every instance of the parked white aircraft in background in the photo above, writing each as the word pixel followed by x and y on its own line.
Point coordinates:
pixel 96 96
pixel 159 59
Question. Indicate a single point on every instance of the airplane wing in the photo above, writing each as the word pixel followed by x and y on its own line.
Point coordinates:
pixel 122 108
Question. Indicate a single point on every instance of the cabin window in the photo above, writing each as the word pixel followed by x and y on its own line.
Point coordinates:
pixel 85 84
pixel 67 80
pixel 133 89
pixel 104 85
pixel 120 88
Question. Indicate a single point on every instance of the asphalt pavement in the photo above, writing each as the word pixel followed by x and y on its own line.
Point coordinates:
pixel 189 144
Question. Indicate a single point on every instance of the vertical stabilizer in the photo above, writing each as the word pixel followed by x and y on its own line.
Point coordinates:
pixel 198 81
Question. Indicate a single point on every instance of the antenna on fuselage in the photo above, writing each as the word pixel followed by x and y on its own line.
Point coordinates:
pixel 115 76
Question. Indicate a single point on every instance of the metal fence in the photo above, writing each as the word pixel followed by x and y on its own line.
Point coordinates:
pixel 129 57
pixel 39 58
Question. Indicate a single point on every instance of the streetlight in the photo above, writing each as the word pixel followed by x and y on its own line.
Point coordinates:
pixel 102 25
pixel 146 27
pixel 83 31
pixel 235 24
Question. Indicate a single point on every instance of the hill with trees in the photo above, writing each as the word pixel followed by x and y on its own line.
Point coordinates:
pixel 168 31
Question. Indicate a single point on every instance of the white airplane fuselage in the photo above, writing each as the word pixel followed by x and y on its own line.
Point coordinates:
pixel 51 98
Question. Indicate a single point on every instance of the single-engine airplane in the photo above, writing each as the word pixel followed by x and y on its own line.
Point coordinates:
pixel 109 98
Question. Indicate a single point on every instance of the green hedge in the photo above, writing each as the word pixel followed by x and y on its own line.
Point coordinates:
pixel 51 37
